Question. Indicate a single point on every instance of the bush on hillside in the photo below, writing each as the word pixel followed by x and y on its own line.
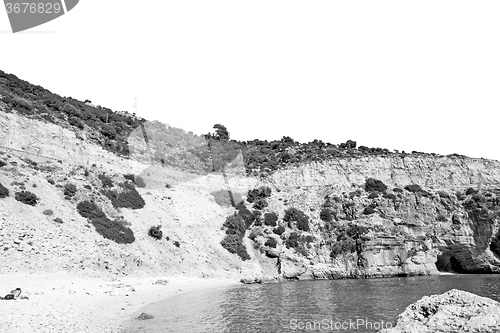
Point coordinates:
pixel 89 210
pixel 279 230
pixel 257 215
pixel 373 195
pixel 260 204
pixel 126 199
pixel 27 198
pixel 69 190
pixel 155 232
pixel 271 242
pixel 235 224
pixel 247 216
pixel 130 177
pixel 258 193
pixel 470 191
pixel 48 212
pixel 327 215
pixel 4 192
pixel 105 180
pixel 113 230
pixel 374 185
pixel 389 196
pixel 110 229
pixel 232 243
pixel 270 219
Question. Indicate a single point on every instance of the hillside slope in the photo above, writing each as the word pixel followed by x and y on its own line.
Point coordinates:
pixel 83 196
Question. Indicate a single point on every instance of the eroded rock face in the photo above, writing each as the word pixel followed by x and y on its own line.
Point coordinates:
pixel 454 311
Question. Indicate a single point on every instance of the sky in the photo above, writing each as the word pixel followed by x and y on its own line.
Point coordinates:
pixel 419 75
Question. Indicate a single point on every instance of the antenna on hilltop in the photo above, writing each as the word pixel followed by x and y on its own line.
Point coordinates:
pixel 134 110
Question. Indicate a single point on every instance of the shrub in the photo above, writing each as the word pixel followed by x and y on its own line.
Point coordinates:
pixel 235 224
pixel 4 192
pixel 414 188
pixel 2 163
pixel 155 232
pixel 27 198
pixel 51 181
pixel 69 190
pixel 48 212
pixel 89 210
pixel 257 215
pixel 260 204
pixel 389 196
pixel 107 228
pixel 279 230
pixel 232 243
pixel 270 219
pixel 247 216
pixel 105 180
pixel 130 177
pixel 369 210
pixel 292 241
pixel 470 191
pixel 260 193
pixel 397 190
pixel 374 185
pixel 326 215
pixel 113 230
pixel 58 220
pixel 271 242
pixel 176 243
pixel 126 199
pixel 373 195
pixel 293 214
pixel 303 224
pixel 88 187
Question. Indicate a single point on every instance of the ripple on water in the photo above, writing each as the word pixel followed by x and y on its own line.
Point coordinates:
pixel 282 307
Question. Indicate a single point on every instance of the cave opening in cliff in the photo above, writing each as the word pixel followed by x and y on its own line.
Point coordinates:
pixel 495 246
pixel 447 263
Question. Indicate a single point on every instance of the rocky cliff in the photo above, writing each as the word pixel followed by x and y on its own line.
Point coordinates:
pixel 453 311
pixel 364 216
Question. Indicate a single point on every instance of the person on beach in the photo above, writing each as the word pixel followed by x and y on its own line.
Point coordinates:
pixel 14 294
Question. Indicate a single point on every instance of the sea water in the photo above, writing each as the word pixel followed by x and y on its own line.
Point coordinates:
pixel 354 305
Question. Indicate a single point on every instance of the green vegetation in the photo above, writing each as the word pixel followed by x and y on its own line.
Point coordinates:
pixel 110 229
pixel 27 198
pixel 294 214
pixel 4 192
pixel 235 231
pixel 127 198
pixel 374 185
pixel 155 232
pixel 270 219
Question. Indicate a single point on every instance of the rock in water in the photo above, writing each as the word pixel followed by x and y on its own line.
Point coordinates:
pixel 144 316
pixel 454 311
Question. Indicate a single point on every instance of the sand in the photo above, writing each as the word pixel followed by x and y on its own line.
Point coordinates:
pixel 65 303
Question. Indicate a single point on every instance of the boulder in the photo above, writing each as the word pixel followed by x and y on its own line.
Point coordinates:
pixel 451 312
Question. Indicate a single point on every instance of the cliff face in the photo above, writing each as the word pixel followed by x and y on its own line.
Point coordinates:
pixel 433 225
pixel 352 230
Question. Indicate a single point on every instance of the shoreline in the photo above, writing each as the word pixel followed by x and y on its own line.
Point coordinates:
pixel 64 302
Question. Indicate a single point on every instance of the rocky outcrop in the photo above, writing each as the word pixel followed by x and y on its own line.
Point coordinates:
pixel 454 311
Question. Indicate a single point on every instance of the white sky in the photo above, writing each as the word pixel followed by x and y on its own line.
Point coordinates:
pixel 420 75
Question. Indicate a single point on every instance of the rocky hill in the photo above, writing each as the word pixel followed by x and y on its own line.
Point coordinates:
pixel 152 199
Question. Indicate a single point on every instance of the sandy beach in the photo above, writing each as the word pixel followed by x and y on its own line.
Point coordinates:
pixel 66 303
